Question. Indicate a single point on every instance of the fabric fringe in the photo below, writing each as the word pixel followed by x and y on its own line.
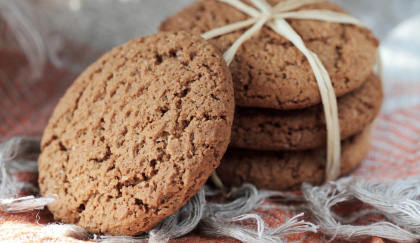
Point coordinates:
pixel 220 219
pixel 24 204
pixel 67 230
pixel 17 151
pixel 398 201
pixel 226 227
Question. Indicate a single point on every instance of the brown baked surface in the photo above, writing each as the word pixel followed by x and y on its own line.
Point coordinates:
pixel 268 71
pixel 137 134
pixel 268 129
pixel 286 170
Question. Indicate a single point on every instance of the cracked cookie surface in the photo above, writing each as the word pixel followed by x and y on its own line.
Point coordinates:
pixel 268 71
pixel 269 129
pixel 288 170
pixel 137 134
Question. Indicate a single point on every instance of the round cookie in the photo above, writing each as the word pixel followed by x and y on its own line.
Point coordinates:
pixel 137 134
pixel 286 170
pixel 267 129
pixel 268 71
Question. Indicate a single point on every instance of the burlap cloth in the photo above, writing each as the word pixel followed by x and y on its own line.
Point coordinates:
pixel 26 106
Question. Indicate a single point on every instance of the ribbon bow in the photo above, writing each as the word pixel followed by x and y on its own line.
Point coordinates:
pixel 274 17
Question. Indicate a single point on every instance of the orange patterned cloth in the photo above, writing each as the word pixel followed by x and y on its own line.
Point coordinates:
pixel 25 107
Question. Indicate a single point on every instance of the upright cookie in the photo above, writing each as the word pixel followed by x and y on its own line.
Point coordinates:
pixel 137 134
pixel 268 71
pixel 268 129
pixel 285 170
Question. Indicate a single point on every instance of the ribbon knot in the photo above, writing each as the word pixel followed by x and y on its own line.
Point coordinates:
pixel 268 16
pixel 263 14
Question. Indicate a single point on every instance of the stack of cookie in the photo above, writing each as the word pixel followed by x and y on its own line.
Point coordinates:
pixel 279 132
pixel 155 116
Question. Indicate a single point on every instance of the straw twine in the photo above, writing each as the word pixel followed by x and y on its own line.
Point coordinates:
pixel 274 17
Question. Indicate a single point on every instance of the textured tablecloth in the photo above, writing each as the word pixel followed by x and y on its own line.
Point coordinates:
pixel 25 107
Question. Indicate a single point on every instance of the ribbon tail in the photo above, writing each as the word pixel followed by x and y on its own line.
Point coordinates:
pixel 228 29
pixel 230 53
pixel 333 134
pixel 293 4
pixel 379 65
pixel 322 15
pixel 242 7
pixel 262 5
pixel 326 89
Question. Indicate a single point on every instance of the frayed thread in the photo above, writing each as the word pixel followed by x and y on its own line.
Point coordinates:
pixel 397 200
pixel 46 232
pixel 216 219
pixel 222 219
pixel 219 219
pixel 18 151
pixel 182 222
pixel 226 227
pixel 179 224
pixel 66 230
pixel 24 204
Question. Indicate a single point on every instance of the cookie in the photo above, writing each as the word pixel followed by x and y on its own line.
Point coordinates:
pixel 137 134
pixel 286 170
pixel 268 129
pixel 268 71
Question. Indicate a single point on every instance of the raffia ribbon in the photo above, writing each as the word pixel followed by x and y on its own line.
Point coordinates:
pixel 274 17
